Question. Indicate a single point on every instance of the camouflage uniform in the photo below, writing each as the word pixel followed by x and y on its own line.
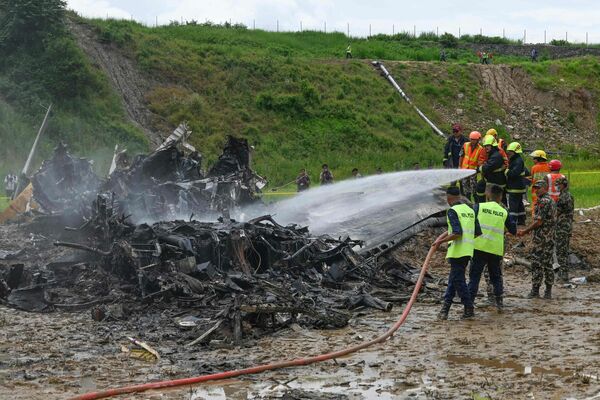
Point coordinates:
pixel 564 226
pixel 469 187
pixel 543 242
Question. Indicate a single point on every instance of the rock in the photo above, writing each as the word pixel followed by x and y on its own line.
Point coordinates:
pixel 537 108
pixel 533 115
pixel 573 260
pixel 459 111
pixel 510 127
pixel 460 96
pixel 537 125
pixel 516 136
pixel 498 122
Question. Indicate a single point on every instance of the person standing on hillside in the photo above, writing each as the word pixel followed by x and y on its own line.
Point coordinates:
pixel 469 159
pixel 462 229
pixel 543 227
pixel 10 185
pixel 553 190
pixel 348 51
pixel 515 183
pixel 356 174
pixel 325 177
pixel 539 171
pixel 534 55
pixel 453 147
pixel 302 181
pixel 493 219
pixel 565 207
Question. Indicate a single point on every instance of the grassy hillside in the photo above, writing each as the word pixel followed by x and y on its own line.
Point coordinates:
pixel 41 64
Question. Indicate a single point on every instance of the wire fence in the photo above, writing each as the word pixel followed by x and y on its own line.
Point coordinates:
pixel 366 29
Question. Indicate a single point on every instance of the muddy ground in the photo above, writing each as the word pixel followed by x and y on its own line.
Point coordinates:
pixel 537 349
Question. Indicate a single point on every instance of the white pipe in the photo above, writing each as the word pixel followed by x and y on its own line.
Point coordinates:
pixel 405 97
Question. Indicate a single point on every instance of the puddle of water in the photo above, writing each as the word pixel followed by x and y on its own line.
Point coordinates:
pixel 515 366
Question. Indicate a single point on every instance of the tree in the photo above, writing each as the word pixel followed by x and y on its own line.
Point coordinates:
pixel 448 40
pixel 29 22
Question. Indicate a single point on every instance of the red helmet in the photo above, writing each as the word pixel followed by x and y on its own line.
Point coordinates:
pixel 474 135
pixel 555 165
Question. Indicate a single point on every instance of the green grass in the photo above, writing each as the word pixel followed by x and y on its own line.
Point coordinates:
pixel 4 201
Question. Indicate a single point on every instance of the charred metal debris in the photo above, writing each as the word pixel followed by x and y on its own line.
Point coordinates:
pixel 223 280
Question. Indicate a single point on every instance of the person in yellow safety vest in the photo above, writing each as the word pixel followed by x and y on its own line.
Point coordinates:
pixel 493 219
pixel 516 185
pixel 501 142
pixel 553 190
pixel 462 230
pixel 469 159
pixel 539 171
pixel 348 52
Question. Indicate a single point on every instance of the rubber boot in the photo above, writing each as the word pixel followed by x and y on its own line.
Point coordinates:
pixel 468 313
pixel 535 292
pixel 548 292
pixel 499 304
pixel 443 314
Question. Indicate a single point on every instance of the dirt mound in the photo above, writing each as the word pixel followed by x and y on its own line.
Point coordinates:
pixel 123 74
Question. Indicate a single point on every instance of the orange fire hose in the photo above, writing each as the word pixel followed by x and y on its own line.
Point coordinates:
pixel 270 367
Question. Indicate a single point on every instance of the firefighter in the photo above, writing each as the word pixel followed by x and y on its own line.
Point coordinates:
pixel 515 182
pixel 539 171
pixel 553 190
pixel 493 168
pixel 469 159
pixel 501 142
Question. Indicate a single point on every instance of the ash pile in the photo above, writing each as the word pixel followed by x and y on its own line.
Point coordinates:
pixel 222 280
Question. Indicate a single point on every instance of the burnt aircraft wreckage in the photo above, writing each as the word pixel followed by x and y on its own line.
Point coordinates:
pixel 142 246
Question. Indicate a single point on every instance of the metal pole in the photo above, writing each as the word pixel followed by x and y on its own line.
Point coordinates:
pixel 325 27
pixel 253 24
pixel 348 29
pixel 393 29
pixel 300 26
pixel 586 38
pixel 437 31
pixel 567 36
pixel 480 31
pixel 524 36
pixel 414 31
pixel 544 36
pixel 156 22
pixel 369 29
pixel 277 25
pixel 503 34
pixel 459 32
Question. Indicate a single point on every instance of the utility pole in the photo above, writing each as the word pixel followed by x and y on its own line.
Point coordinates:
pixel 567 36
pixel 503 34
pixel 524 36
pixel 277 25
pixel 586 39
pixel 156 22
pixel 544 36
pixel 348 29
pixel 414 31
pixel 325 26
pixel 393 29
pixel 480 31
pixel 253 24
pixel 300 26
pixel 369 29
pixel 459 32
pixel 437 31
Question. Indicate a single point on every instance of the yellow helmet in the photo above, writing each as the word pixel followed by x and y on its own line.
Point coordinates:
pixel 489 140
pixel 492 132
pixel 539 154
pixel 516 147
